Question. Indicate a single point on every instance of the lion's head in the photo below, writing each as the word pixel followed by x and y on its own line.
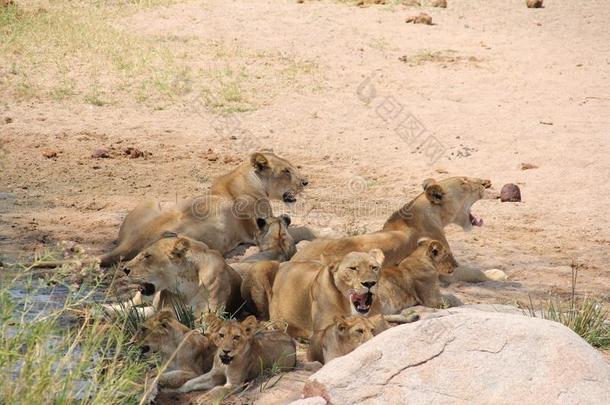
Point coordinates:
pixel 455 196
pixel 356 276
pixel 279 179
pixel 349 333
pixel 233 338
pixel 274 235
pixel 167 264
pixel 159 332
pixel 431 256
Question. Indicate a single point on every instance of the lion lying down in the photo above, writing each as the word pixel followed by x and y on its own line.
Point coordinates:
pixel 340 338
pixel 442 203
pixel 189 352
pixel 243 354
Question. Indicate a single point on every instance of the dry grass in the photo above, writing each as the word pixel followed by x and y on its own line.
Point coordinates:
pixel 78 51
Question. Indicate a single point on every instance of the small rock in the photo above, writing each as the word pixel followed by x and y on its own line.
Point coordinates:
pixel 363 3
pixel 134 153
pixel 422 18
pixel 50 153
pixel 533 3
pixel 403 58
pixel 437 3
pixel 100 153
pixel 8 120
pixel 527 166
pixel 510 193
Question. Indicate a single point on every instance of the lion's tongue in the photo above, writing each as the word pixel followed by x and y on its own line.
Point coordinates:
pixel 476 221
pixel 359 300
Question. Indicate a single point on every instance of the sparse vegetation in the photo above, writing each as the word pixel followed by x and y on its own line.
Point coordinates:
pixel 77 50
pixel 586 316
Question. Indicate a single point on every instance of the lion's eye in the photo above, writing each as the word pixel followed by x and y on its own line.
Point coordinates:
pixel 235 337
pixel 286 171
pixel 353 268
pixel 147 255
pixel 360 331
pixel 221 335
pixel 375 268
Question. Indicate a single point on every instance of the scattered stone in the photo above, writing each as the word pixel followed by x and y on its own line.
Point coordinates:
pixel 210 156
pixel 134 153
pixel 50 153
pixel 468 356
pixel 436 3
pixel 413 3
pixel 533 3
pixel 510 193
pixel 403 58
pixel 8 120
pixel 364 3
pixel 527 166
pixel 100 153
pixel 422 18
pixel 546 122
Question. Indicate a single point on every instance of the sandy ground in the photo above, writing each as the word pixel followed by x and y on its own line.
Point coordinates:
pixel 491 85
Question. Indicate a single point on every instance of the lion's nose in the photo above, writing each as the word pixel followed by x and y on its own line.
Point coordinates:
pixel 304 182
pixel 226 351
pixel 368 284
pixel 127 270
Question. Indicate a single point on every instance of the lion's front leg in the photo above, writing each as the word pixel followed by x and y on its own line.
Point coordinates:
pixel 207 381
pixel 176 378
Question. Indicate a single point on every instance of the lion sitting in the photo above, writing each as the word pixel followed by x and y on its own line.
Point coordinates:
pixel 243 354
pixel 340 338
pixel 415 281
pixel 308 295
pixel 186 268
pixel 189 352
pixel 442 203
pixel 222 218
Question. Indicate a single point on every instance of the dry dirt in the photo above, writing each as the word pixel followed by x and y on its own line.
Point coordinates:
pixel 493 84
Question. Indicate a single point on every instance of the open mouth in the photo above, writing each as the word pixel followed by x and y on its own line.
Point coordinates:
pixel 147 289
pixel 362 302
pixel 475 221
pixel 289 197
pixel 225 359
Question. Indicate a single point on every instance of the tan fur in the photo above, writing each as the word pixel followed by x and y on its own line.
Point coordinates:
pixel 308 295
pixel 247 352
pixel 257 287
pixel 191 352
pixel 222 218
pixel 340 338
pixel 442 203
pixel 415 281
pixel 189 269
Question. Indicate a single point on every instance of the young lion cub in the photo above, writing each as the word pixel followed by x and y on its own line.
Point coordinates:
pixel 415 280
pixel 163 334
pixel 340 338
pixel 243 353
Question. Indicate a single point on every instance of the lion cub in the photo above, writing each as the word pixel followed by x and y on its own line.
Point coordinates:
pixel 163 334
pixel 340 338
pixel 243 353
pixel 415 280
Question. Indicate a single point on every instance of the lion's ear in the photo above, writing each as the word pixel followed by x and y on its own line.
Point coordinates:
pixel 377 254
pixel 212 322
pixel 181 247
pixel 329 260
pixel 250 324
pixel 435 249
pixel 339 320
pixel 259 162
pixel 261 223
pixel 434 192
pixel 286 219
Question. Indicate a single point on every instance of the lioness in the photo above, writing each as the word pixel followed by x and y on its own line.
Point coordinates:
pixel 190 351
pixel 243 353
pixel 442 203
pixel 223 218
pixel 308 295
pixel 188 269
pixel 415 280
pixel 340 338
